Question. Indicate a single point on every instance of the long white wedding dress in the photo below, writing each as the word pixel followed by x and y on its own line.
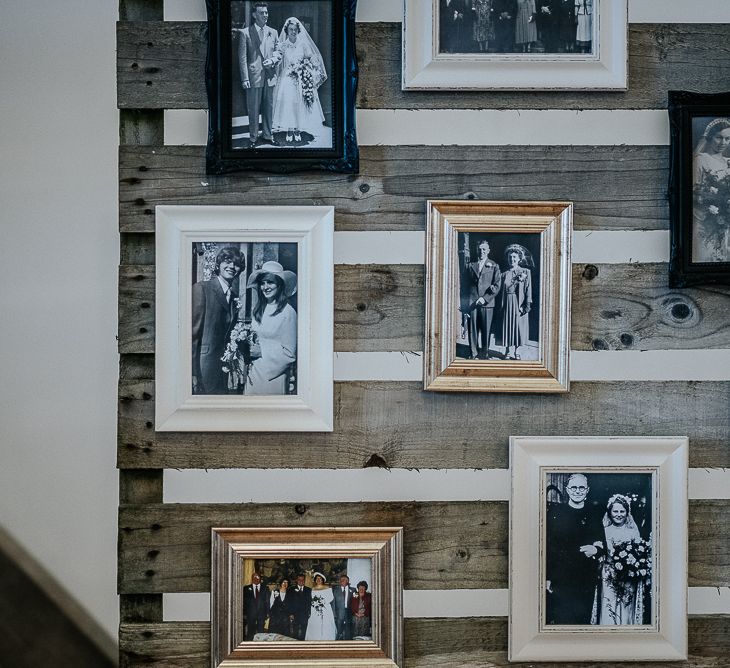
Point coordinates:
pixel 321 624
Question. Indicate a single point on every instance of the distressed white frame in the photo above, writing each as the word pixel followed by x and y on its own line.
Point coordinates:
pixel 426 69
pixel 312 229
pixel 530 459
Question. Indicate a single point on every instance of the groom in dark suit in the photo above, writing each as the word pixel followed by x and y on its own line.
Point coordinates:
pixel 484 280
pixel 214 313
pixel 341 608
pixel 300 607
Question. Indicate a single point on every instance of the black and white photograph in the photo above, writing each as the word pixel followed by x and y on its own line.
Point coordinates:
pixel 306 600
pixel 711 181
pixel 244 318
pixel 499 296
pixel 598 548
pixel 280 97
pixel 534 27
pixel 494 323
pixel 699 188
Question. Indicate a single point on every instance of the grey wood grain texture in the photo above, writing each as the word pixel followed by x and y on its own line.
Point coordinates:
pixel 141 126
pixel 613 187
pixel 166 547
pixel 141 10
pixel 469 642
pixel 162 66
pixel 140 486
pixel 381 308
pixel 398 425
pixel 136 608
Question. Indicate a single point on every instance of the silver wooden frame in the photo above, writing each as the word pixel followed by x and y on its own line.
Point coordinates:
pixel 424 68
pixel 383 545
pixel 443 371
pixel 530 459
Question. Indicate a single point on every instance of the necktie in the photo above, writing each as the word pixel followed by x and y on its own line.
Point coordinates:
pixel 228 296
pixel 256 592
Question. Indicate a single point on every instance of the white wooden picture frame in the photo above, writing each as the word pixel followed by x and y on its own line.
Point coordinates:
pixel 663 634
pixel 426 68
pixel 311 228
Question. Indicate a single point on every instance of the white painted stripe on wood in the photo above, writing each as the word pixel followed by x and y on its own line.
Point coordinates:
pixel 391 11
pixel 652 365
pixel 443 603
pixel 371 484
pixel 604 365
pixel 597 247
pixel 473 127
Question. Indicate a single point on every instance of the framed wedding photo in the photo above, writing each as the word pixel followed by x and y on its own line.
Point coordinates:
pixel 498 280
pixel 281 78
pixel 598 549
pixel 515 45
pixel 307 597
pixel 699 188
pixel 244 318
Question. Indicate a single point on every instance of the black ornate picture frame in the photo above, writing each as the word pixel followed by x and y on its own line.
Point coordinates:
pixel 699 188
pixel 232 146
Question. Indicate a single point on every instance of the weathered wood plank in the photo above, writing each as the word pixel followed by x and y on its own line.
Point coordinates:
pixel 381 308
pixel 468 642
pixel 613 187
pixel 399 426
pixel 141 127
pixel 140 486
pixel 162 66
pixel 166 548
pixel 141 10
pixel 136 608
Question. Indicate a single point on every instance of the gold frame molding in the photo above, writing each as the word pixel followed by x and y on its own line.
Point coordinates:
pixel 445 219
pixel 384 545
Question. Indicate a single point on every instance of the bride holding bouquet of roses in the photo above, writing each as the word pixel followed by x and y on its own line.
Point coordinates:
pixel 297 107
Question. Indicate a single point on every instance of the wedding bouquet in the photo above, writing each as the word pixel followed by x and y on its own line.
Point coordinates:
pixel 630 564
pixel 307 75
pixel 318 604
pixel 236 358
pixel 712 199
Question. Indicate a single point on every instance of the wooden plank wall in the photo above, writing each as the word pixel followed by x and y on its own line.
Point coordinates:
pixel 164 548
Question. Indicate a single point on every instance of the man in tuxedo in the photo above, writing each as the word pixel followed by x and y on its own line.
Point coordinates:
pixel 255 606
pixel 214 312
pixel 259 52
pixel 505 14
pixel 574 537
pixel 484 280
pixel 300 606
pixel 455 26
pixel 341 608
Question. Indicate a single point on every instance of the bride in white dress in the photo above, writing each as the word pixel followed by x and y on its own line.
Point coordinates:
pixel 321 624
pixel 297 107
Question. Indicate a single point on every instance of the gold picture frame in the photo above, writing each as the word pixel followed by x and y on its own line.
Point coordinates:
pixel 234 550
pixel 457 357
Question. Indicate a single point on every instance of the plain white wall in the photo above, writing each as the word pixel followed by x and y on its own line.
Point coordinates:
pixel 58 302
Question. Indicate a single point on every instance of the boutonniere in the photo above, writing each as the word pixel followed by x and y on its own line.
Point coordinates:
pixel 276 594
pixel 355 595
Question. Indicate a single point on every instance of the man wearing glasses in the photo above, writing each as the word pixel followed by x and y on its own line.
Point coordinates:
pixel 574 545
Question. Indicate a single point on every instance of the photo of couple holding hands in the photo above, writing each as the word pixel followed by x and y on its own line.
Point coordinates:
pixel 282 74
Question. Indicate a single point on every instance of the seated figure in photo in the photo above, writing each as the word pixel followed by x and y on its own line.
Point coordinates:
pixel 574 536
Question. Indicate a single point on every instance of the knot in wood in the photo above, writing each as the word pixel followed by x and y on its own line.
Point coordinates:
pixel 471 195
pixel 364 187
pixel 361 307
pixel 462 554
pixel 300 509
pixel 590 272
pixel 681 311
pixel 627 340
pixel 376 461
pixel 599 344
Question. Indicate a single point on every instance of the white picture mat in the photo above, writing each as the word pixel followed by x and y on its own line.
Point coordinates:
pixel 528 457
pixel 424 69
pixel 176 409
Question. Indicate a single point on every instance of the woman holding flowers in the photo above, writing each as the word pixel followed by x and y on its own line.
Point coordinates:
pixel 273 343
pixel 516 301
pixel 626 566
pixel 321 624
pixel 297 107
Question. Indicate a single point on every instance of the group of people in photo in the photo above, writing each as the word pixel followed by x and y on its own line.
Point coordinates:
pixel 233 353
pixel 291 609
pixel 484 287
pixel 514 26
pixel 281 73
pixel 598 558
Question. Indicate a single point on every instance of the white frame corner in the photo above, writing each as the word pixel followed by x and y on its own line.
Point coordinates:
pixel 424 69
pixel 312 228
pixel 667 457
